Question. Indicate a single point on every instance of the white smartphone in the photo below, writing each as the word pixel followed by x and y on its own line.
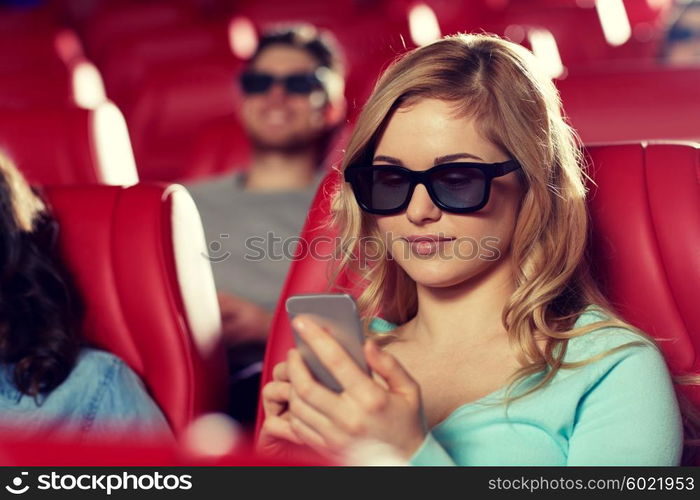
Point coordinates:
pixel 337 314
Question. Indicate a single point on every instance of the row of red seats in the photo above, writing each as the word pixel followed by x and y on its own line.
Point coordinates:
pixel 178 102
pixel 76 145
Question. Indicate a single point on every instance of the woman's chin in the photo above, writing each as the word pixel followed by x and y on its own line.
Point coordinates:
pixel 440 276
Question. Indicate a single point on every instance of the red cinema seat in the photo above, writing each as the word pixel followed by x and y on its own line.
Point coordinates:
pixel 126 64
pixel 138 256
pixel 47 69
pixel 76 84
pixel 18 20
pixel 648 103
pixel 63 452
pixel 646 227
pixel 49 89
pixel 173 106
pixel 113 22
pixel 69 146
pixel 38 52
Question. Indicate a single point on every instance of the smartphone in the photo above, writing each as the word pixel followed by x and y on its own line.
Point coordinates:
pixel 337 314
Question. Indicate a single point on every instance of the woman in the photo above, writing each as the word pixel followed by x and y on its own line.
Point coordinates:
pixel 49 381
pixel 507 357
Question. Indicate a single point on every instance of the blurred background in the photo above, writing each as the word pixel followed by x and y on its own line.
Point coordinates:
pixel 153 81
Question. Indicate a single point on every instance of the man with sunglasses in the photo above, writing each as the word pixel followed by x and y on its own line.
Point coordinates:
pixel 292 100
pixel 682 42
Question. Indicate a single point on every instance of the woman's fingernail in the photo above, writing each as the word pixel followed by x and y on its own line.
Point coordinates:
pixel 299 324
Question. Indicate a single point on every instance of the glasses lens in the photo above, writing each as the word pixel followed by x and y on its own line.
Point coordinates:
pixel 256 83
pixel 459 187
pixel 303 83
pixel 381 188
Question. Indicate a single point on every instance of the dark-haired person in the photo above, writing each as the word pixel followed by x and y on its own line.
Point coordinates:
pixel 292 103
pixel 49 380
pixel 682 42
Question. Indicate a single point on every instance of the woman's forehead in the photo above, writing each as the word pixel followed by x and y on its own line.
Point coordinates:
pixel 432 128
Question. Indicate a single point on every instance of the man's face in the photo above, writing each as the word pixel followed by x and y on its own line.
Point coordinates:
pixel 277 119
pixel 685 49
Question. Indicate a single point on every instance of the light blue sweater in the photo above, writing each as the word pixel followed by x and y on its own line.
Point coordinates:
pixel 619 410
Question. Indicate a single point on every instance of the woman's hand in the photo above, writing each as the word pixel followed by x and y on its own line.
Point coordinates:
pixel 388 410
pixel 276 432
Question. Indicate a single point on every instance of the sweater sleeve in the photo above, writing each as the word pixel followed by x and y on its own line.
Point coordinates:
pixel 430 453
pixel 630 414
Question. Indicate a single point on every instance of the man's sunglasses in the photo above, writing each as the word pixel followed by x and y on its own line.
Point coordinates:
pixel 297 83
pixel 454 187
pixel 683 34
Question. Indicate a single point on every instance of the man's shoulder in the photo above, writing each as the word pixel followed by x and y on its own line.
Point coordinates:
pixel 212 187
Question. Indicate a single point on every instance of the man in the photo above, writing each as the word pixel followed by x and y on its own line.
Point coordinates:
pixel 292 101
pixel 682 43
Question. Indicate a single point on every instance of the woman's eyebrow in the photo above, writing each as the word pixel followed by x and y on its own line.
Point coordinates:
pixel 456 156
pixel 389 159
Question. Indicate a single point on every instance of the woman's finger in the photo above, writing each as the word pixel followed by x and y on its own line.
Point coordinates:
pixel 275 396
pixel 278 428
pixel 322 399
pixel 333 356
pixel 326 428
pixel 307 435
pixel 280 372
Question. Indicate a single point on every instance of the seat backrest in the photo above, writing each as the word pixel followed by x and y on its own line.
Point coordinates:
pixel 38 50
pixel 138 256
pixel 126 64
pixel 115 21
pixel 644 103
pixel 646 223
pixel 49 88
pixel 69 145
pixel 174 105
pixel 645 214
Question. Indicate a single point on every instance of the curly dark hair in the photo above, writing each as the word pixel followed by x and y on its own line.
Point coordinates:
pixel 40 310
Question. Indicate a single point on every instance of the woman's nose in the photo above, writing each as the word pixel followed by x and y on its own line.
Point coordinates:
pixel 421 208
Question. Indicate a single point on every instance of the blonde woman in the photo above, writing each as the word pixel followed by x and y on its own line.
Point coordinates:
pixel 508 357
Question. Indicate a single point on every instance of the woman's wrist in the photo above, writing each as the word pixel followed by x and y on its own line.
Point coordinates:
pixel 413 445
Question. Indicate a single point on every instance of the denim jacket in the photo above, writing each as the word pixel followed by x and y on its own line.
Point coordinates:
pixel 102 396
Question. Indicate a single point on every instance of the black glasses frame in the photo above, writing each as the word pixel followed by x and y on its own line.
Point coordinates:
pixel 489 170
pixel 287 81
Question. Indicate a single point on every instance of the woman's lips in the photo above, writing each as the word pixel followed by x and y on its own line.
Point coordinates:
pixel 426 244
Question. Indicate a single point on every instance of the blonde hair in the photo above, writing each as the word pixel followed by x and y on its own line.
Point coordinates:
pixel 517 108
pixel 27 207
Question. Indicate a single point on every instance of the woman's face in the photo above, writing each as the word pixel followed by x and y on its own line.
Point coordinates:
pixel 455 247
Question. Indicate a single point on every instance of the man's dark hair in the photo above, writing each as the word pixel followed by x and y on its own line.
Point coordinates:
pixel 318 43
